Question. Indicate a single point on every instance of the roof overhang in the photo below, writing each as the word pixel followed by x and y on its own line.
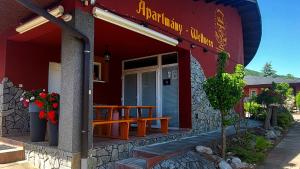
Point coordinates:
pixel 251 23
pixel 14 14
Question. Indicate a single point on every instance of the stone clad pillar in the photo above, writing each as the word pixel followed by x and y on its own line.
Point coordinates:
pixel 72 78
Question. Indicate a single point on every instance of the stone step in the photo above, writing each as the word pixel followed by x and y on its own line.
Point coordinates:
pixel 131 163
pixel 12 142
pixel 10 153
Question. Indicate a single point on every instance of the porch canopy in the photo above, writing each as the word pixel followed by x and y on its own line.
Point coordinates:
pixel 14 14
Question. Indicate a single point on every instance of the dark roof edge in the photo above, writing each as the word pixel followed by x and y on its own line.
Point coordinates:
pixel 251 45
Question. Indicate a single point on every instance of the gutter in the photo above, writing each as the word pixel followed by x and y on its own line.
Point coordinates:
pixel 86 68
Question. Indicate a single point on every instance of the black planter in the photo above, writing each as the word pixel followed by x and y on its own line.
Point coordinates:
pixel 52 134
pixel 37 126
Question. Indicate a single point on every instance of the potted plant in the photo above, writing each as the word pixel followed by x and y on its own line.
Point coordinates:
pixel 37 125
pixel 49 111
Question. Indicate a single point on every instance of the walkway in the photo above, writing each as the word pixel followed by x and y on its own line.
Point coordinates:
pixel 286 155
pixel 147 156
pixel 17 165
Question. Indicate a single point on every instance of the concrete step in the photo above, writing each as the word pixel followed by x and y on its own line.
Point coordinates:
pixel 17 165
pixel 10 153
pixel 11 150
pixel 11 141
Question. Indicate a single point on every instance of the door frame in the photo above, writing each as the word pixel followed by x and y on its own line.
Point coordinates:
pixel 159 83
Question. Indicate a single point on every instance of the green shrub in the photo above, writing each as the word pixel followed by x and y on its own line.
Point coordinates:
pixel 285 119
pixel 251 148
pixel 262 144
pixel 248 155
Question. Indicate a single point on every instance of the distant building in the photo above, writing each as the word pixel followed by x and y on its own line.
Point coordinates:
pixel 255 84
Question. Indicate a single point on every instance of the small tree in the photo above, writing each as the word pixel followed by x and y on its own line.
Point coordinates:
pixel 268 98
pixel 268 70
pixel 298 100
pixel 224 90
pixel 290 76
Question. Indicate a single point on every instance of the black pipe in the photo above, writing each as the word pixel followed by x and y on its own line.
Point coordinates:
pixel 86 68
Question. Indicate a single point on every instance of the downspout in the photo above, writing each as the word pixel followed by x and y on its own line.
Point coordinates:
pixel 86 68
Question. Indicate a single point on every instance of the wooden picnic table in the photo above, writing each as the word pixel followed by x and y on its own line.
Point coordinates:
pixel 126 110
pixel 124 122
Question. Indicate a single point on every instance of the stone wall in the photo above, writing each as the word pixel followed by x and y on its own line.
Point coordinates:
pixel 204 117
pixel 103 157
pixel 14 119
pixel 44 157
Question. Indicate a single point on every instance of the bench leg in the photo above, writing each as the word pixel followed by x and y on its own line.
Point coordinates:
pixel 164 125
pixel 124 133
pixel 141 129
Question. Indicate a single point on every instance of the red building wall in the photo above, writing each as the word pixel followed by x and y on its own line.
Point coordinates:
pixel 2 57
pixel 28 64
pixel 196 14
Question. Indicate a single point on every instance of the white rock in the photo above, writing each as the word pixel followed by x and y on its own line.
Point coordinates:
pixel 236 163
pixel 224 165
pixel 271 135
pixel 206 150
pixel 278 133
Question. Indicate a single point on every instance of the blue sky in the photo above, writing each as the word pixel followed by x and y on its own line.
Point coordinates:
pixel 280 43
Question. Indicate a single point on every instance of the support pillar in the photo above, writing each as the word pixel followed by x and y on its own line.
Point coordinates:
pixel 72 79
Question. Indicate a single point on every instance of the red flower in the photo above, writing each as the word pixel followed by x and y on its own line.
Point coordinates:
pixel 42 115
pixel 54 94
pixel 55 105
pixel 39 103
pixel 51 116
pixel 52 99
pixel 43 95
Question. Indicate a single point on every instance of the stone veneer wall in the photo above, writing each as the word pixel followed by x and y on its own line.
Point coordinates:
pixel 204 117
pixel 103 157
pixel 14 119
pixel 44 157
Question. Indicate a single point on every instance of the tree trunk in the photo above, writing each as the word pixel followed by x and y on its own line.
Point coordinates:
pixel 223 132
pixel 274 117
pixel 223 141
pixel 268 118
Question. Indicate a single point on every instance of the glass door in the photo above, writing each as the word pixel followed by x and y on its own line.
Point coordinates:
pixel 170 97
pixel 130 92
pixel 140 88
pixel 148 92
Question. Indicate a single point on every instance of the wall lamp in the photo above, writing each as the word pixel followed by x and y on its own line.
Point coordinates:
pixel 38 21
pixel 106 55
pixel 127 24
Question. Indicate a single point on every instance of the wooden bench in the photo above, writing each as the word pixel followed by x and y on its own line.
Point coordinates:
pixel 124 126
pixel 142 125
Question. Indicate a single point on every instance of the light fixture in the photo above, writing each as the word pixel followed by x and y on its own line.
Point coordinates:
pixel 106 55
pixel 117 20
pixel 193 46
pixel 56 12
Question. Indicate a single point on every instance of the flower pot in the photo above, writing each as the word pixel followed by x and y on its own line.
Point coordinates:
pixel 37 126
pixel 52 134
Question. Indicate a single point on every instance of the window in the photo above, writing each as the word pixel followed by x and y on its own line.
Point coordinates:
pixel 140 63
pixel 97 72
pixel 169 59
pixel 253 93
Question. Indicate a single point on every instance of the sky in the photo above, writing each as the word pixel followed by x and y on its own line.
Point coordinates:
pixel 280 43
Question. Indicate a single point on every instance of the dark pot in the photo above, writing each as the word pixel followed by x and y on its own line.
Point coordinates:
pixel 52 134
pixel 37 126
